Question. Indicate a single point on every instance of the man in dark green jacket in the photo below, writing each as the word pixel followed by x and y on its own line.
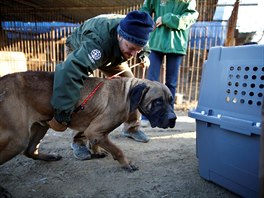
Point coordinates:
pixel 104 42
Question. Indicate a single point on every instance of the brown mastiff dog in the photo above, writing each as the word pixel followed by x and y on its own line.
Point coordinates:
pixel 25 109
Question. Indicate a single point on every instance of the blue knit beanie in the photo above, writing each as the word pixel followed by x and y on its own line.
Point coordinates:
pixel 136 27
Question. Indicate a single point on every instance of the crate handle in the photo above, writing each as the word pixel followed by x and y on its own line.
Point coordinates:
pixel 239 125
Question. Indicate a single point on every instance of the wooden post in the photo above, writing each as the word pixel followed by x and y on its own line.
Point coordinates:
pixel 163 70
pixel 230 39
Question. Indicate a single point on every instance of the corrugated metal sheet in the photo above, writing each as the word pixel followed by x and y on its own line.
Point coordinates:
pixel 59 10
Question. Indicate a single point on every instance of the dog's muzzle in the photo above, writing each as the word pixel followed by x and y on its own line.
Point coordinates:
pixel 166 121
pixel 172 122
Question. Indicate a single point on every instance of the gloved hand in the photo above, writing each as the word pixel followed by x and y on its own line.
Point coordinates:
pixel 144 61
pixel 57 126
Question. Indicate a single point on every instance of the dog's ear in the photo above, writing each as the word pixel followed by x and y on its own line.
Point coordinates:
pixel 136 94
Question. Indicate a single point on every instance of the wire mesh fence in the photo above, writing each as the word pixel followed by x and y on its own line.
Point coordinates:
pixel 43 46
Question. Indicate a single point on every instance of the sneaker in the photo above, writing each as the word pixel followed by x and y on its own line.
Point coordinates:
pixel 80 152
pixel 144 123
pixel 138 136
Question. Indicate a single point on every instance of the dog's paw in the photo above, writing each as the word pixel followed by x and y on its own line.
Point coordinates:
pixel 99 155
pixel 43 156
pixel 4 193
pixel 130 167
pixel 47 157
pixel 53 157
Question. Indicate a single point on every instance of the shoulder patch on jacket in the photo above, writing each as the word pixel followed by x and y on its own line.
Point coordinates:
pixel 94 55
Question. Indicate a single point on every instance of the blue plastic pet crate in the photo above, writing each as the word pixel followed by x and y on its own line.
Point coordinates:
pixel 228 118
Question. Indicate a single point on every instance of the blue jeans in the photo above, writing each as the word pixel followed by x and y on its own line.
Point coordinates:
pixel 173 62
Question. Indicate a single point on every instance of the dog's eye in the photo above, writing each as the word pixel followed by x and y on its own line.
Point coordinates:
pixel 158 102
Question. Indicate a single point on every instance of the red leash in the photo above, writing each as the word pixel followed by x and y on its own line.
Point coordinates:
pixel 81 106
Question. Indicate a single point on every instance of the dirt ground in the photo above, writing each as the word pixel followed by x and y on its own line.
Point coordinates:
pixel 168 168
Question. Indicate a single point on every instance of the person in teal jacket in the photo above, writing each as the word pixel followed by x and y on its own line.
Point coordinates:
pixel 104 42
pixel 173 20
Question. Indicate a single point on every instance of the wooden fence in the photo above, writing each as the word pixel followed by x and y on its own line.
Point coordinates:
pixel 44 51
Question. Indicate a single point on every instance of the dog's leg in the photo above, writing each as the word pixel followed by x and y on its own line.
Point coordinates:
pixel 97 151
pixel 37 133
pixel 9 146
pixel 4 193
pixel 117 154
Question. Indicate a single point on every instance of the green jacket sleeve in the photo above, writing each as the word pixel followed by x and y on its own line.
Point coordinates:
pixel 148 6
pixel 70 75
pixel 181 21
pixel 89 55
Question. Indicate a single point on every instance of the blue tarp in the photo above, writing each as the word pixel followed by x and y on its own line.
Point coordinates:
pixel 28 30
pixel 207 34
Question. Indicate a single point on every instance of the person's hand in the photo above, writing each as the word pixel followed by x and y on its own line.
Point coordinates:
pixel 145 62
pixel 159 21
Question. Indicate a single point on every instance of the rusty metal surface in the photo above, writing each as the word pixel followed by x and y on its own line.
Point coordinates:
pixel 59 10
